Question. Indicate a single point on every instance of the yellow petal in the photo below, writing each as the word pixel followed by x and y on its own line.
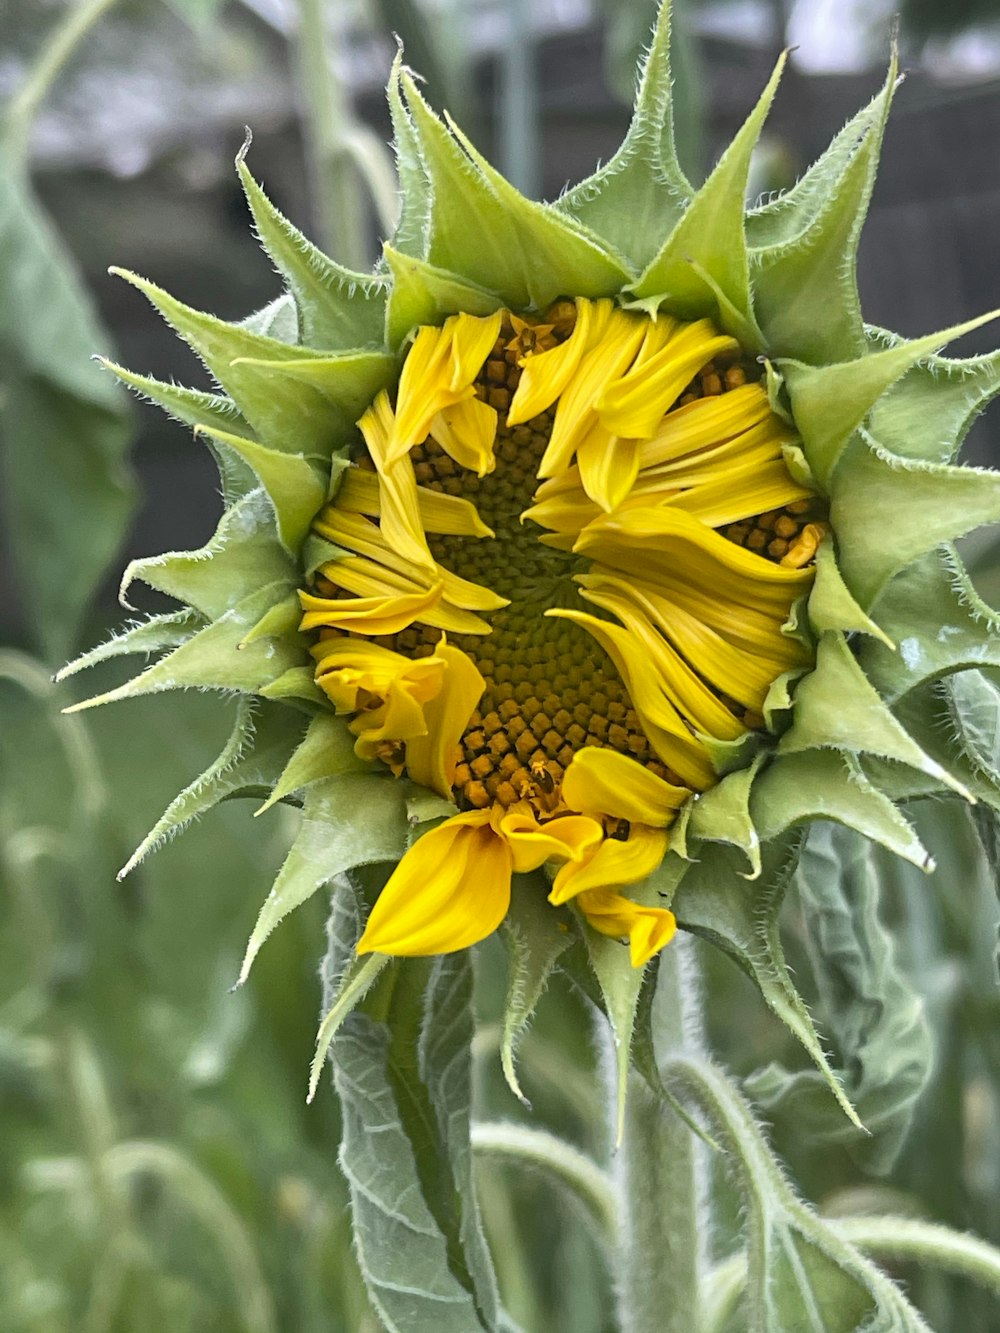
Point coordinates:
pixel 635 404
pixel 466 431
pixel 604 363
pixel 612 864
pixel 423 390
pixel 648 929
pixel 399 509
pixel 604 782
pixel 740 492
pixel 442 514
pixel 568 838
pixel 450 890
pixel 472 339
pixel 431 758
pixel 545 375
pixel 705 423
pixel 609 466
pixel 374 615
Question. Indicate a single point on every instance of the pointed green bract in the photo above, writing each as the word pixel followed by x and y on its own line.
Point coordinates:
pixel 711 233
pixel 412 234
pixel 150 636
pixel 295 486
pixel 350 820
pixel 641 192
pixel 836 707
pixel 831 605
pixel 258 747
pixel 327 751
pixel 926 414
pixel 887 512
pixel 337 308
pixel 826 784
pixel 526 252
pixel 243 555
pixel 829 403
pixel 722 814
pixel 536 937
pixel 215 657
pixel 815 271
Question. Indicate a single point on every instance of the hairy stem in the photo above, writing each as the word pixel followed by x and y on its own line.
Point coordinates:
pixel 661 1176
pixel 62 42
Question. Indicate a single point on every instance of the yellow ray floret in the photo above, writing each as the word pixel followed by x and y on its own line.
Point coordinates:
pixel 648 929
pixel 443 515
pixel 423 703
pixel 436 390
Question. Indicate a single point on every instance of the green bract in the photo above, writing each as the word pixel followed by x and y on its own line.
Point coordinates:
pixel 881 419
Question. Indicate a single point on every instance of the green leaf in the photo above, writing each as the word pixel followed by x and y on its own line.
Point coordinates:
pixel 483 229
pixel 296 399
pixel 836 707
pixel 816 269
pixel 262 739
pixel 866 1005
pixel 67 492
pixel 929 503
pixel 715 901
pixel 350 820
pixel 423 294
pixel 243 554
pixel 641 192
pixel 327 751
pixel 932 611
pixel 710 235
pixel 535 935
pixel 147 636
pixel 217 657
pixel 401 1070
pixel 827 784
pixel 926 414
pixel 801 1273
pixel 829 403
pixel 337 308
pixel 295 485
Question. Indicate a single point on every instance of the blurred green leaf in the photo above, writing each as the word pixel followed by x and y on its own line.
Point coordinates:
pixel 800 1273
pixel 867 1006
pixel 68 495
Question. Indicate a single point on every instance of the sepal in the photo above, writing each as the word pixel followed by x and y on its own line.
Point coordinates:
pixel 711 232
pixel 215 657
pixel 423 294
pixel 642 191
pixel 337 309
pixel 528 253
pixel 258 747
pixel 326 751
pixel 243 554
pixel 351 820
pixel 147 636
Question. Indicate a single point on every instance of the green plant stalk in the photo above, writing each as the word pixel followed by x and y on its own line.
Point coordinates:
pixel 336 181
pixel 62 42
pixel 662 1195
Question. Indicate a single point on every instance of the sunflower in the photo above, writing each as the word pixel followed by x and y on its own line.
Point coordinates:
pixel 599 543
pixel 594 504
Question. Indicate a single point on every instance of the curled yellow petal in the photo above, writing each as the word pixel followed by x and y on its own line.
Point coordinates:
pixel 647 929
pixel 441 514
pixel 450 890
pixel 376 615
pixel 545 375
pixel 570 837
pixel 604 782
pixel 399 507
pixel 612 864
pixel 466 430
pixel 431 758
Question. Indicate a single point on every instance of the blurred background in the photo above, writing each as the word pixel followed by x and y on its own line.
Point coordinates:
pixel 158 1166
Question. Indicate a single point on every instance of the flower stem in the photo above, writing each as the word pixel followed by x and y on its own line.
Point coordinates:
pixel 61 43
pixel 661 1175
pixel 327 115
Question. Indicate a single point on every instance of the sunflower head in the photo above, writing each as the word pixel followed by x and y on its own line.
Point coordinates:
pixel 581 555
